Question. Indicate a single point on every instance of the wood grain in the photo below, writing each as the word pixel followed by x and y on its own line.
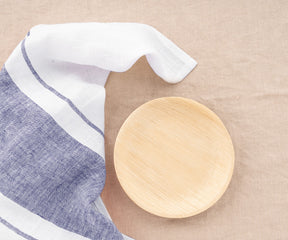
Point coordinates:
pixel 174 157
pixel 242 52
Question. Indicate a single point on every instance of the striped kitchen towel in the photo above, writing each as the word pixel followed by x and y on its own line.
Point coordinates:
pixel 52 94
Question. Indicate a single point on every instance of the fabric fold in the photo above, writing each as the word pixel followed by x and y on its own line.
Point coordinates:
pixel 52 95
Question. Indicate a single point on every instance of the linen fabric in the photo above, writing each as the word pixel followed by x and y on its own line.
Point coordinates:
pixel 52 94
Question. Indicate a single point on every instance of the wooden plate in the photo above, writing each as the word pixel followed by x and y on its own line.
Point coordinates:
pixel 174 157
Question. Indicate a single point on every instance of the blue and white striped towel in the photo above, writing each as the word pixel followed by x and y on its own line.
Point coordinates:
pixel 52 95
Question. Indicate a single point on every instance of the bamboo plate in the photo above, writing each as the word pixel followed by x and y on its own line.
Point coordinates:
pixel 174 157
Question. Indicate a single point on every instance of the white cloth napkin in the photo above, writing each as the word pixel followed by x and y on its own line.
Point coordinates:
pixel 52 113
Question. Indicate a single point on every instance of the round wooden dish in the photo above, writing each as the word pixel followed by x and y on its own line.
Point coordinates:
pixel 174 157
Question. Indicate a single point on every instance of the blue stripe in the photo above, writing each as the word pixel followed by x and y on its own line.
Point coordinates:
pixel 51 89
pixel 16 230
pixel 46 171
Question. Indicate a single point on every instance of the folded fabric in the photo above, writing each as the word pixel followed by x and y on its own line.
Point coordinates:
pixel 52 94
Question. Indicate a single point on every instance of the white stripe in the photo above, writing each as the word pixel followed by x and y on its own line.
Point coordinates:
pixel 79 83
pixel 126 237
pixel 31 224
pixel 59 110
pixel 8 234
pixel 102 209
pixel 35 226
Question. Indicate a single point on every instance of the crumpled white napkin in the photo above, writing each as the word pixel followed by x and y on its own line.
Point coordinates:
pixel 52 168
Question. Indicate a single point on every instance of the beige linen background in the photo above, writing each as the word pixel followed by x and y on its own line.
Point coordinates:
pixel 242 51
